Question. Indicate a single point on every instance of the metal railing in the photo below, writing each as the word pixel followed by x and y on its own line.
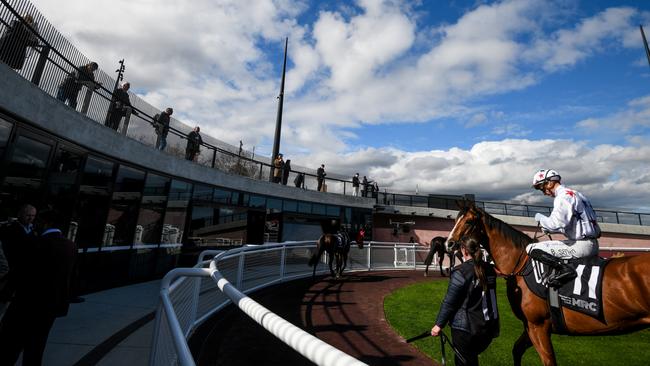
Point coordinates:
pixel 41 54
pixel 502 208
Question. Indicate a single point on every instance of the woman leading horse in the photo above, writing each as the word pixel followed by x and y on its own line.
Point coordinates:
pixel 625 288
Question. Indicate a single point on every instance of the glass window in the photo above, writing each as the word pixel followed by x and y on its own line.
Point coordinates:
pixel 129 180
pixel 174 224
pixel 222 195
pixel 5 131
pixel 290 205
pixel 257 201
pixel 273 204
pixel 97 172
pixel 202 193
pixel 88 225
pixel 333 211
pixel 123 214
pixel 235 199
pixel 62 183
pixel 318 209
pixel 28 162
pixel 154 201
pixel 304 207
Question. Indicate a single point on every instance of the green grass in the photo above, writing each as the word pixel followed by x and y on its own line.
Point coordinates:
pixel 412 310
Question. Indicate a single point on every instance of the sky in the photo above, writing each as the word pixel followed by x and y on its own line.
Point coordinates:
pixel 443 97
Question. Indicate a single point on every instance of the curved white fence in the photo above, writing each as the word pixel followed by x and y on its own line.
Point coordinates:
pixel 189 296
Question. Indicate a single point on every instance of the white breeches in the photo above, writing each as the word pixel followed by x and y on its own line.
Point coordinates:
pixel 567 249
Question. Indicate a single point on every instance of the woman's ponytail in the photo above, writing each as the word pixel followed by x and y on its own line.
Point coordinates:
pixel 473 247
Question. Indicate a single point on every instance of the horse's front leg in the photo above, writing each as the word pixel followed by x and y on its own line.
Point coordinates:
pixel 520 347
pixel 331 259
pixel 540 336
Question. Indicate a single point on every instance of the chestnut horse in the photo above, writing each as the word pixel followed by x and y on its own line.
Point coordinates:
pixel 625 289
pixel 336 253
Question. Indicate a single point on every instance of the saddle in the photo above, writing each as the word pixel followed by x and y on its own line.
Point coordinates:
pixel 342 240
pixel 583 294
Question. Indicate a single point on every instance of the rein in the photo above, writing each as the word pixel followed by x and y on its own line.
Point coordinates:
pixel 444 339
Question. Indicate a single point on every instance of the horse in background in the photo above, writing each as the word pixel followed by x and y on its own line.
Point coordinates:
pixel 438 247
pixel 625 287
pixel 337 247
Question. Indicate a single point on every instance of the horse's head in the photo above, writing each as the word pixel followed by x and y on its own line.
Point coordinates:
pixel 468 224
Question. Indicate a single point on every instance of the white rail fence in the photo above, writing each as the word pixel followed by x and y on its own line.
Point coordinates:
pixel 189 296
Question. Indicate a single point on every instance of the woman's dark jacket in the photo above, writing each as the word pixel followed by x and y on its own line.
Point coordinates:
pixel 464 302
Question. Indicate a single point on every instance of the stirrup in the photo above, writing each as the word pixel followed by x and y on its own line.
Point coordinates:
pixel 559 279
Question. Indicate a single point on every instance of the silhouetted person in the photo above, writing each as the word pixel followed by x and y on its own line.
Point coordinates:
pixel 355 185
pixel 42 294
pixel 15 40
pixel 161 124
pixel 121 108
pixel 299 180
pixel 320 176
pixel 365 186
pixel 17 238
pixel 194 142
pixel 285 171
pixel 70 86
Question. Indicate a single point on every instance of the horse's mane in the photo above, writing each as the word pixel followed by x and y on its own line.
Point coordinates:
pixel 520 239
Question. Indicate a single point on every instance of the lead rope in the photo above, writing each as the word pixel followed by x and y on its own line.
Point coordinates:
pixel 444 339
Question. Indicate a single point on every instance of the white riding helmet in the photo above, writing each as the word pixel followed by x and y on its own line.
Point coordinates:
pixel 543 176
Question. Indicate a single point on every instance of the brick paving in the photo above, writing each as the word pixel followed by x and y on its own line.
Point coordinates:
pixel 347 314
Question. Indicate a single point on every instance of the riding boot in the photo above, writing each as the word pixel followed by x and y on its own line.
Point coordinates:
pixel 562 273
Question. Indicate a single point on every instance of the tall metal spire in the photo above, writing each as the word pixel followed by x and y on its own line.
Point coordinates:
pixel 645 44
pixel 278 120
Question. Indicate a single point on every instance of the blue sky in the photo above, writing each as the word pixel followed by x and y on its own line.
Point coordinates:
pixel 452 97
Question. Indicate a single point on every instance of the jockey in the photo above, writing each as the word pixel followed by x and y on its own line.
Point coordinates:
pixel 572 216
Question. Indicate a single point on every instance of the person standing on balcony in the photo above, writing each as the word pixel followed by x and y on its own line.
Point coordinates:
pixel 364 182
pixel 278 164
pixel 355 185
pixel 121 108
pixel 320 176
pixel 285 171
pixel 71 85
pixel 16 39
pixel 194 142
pixel 161 124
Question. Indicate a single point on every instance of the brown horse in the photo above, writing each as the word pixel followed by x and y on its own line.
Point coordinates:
pixel 625 291
pixel 336 253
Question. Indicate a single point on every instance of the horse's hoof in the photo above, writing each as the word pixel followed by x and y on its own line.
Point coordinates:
pixel 425 274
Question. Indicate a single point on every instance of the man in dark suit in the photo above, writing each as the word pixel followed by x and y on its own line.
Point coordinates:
pixel 42 294
pixel 16 238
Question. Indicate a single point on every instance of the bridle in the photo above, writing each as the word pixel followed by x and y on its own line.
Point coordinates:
pixel 518 269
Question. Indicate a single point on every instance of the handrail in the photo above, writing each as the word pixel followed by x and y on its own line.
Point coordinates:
pixel 314 349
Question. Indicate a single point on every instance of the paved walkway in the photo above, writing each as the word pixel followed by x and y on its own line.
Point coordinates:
pixel 114 327
pixel 109 328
